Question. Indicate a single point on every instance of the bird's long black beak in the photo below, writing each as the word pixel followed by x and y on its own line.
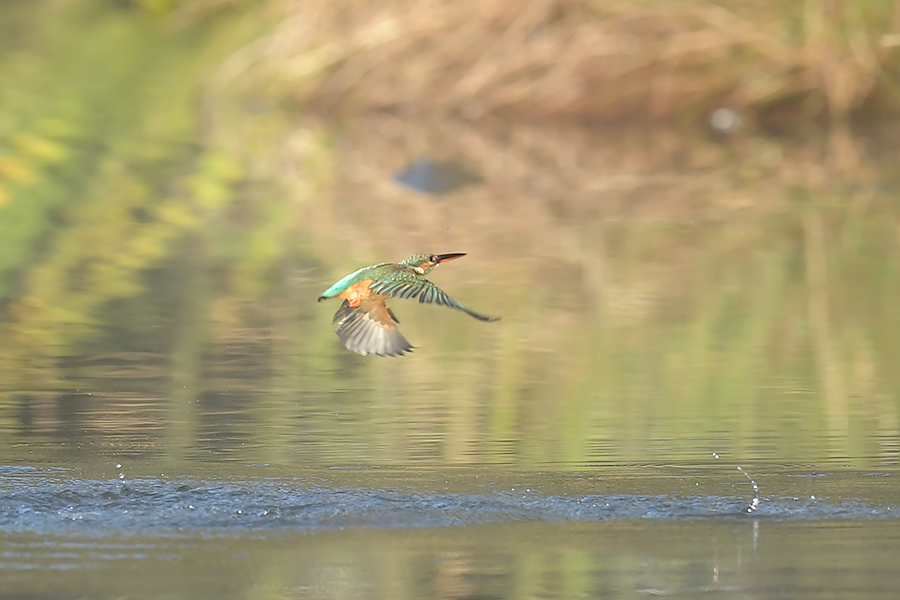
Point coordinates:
pixel 447 257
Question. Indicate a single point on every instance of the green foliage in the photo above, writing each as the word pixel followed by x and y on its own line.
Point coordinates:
pixel 100 171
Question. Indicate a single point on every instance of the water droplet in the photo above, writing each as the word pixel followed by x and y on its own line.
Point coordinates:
pixel 118 465
pixel 121 475
pixel 715 455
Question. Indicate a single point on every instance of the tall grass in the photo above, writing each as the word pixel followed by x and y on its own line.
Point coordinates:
pixel 584 58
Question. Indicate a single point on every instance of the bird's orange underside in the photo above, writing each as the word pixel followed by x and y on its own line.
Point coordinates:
pixel 357 292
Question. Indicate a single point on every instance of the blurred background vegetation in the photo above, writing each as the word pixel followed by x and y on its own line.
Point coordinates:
pixel 179 179
pixel 582 59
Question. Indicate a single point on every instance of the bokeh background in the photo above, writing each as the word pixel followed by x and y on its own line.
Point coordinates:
pixel 685 212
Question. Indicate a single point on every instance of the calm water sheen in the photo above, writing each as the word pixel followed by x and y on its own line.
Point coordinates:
pixel 178 419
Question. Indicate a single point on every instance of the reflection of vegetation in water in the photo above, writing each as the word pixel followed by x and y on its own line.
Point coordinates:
pixel 654 292
pixel 661 299
pixel 101 172
pixel 644 297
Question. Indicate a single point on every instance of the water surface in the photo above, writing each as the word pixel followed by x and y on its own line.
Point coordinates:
pixel 178 418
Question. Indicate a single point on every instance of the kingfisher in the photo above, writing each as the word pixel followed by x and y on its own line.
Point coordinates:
pixel 366 325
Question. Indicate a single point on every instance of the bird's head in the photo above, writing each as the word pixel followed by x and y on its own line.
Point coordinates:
pixel 424 263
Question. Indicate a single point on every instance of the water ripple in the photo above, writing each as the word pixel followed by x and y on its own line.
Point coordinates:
pixel 52 504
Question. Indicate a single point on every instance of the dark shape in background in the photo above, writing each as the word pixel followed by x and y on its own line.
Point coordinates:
pixel 435 178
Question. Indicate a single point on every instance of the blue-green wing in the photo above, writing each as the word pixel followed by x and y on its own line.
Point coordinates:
pixel 354 277
pixel 403 284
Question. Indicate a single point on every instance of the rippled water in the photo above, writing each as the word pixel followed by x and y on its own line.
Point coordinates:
pixel 634 531
pixel 57 502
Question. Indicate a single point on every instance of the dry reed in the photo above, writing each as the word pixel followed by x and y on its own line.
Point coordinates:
pixel 582 59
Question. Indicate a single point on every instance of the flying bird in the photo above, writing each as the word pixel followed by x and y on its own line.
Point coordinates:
pixel 366 325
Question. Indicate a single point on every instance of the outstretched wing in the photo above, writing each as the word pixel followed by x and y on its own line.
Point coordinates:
pixel 369 329
pixel 403 284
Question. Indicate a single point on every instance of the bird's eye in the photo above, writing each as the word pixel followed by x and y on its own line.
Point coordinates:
pixel 433 258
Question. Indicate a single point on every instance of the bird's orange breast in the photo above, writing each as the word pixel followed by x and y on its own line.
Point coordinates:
pixel 357 292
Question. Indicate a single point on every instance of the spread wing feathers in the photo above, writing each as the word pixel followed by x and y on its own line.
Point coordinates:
pixel 369 329
pixel 409 285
